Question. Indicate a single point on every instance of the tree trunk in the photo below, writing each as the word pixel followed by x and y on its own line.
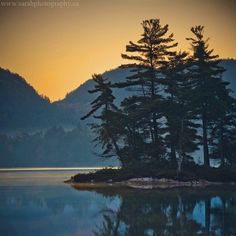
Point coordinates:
pixel 155 128
pixel 153 98
pixel 110 135
pixel 173 152
pixel 222 158
pixel 205 142
pixel 180 148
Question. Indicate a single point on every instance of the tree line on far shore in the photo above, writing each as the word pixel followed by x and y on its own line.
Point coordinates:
pixel 179 103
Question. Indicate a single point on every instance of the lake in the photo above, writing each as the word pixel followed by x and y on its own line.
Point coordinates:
pixel 37 202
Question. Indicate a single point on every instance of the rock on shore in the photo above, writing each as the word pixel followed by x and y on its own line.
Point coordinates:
pixel 150 183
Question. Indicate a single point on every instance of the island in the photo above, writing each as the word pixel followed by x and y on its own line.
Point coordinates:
pixel 176 104
pixel 154 178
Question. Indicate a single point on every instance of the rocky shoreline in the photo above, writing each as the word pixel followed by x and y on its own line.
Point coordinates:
pixel 152 183
pixel 152 178
pixel 145 183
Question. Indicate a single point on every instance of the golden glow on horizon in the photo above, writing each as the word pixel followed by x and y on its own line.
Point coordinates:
pixel 57 49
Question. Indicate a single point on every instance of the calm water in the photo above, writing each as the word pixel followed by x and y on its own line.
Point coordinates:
pixel 39 203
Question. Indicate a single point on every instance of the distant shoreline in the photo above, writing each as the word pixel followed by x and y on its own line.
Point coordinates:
pixel 53 168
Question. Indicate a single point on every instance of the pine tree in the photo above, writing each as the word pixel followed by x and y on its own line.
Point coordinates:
pixel 135 129
pixel 223 129
pixel 150 54
pixel 105 128
pixel 181 138
pixel 206 76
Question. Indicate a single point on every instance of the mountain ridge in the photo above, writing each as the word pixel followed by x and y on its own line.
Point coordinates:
pixel 80 99
pixel 21 106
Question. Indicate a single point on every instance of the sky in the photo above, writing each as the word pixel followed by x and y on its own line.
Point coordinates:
pixel 58 48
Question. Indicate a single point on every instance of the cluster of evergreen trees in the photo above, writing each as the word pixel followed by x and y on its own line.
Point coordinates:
pixel 179 102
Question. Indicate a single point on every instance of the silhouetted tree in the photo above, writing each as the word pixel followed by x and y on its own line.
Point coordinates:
pixel 206 76
pixel 151 54
pixel 181 135
pixel 223 130
pixel 105 128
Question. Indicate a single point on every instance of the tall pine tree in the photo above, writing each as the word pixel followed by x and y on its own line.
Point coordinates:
pixel 150 54
pixel 105 128
pixel 223 128
pixel 206 76
pixel 181 138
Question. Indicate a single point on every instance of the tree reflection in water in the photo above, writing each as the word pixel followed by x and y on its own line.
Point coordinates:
pixel 206 211
pixel 114 211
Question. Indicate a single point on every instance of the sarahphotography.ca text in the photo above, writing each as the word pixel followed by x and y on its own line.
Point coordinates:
pixel 41 3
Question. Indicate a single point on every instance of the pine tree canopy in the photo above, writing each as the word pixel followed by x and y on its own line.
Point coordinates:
pixel 178 103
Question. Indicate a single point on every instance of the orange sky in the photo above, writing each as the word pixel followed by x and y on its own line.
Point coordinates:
pixel 56 49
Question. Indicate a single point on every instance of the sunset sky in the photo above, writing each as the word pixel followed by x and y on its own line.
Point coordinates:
pixel 57 49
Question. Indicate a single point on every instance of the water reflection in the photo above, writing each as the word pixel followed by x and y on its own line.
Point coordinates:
pixel 62 210
pixel 170 212
pixel 49 210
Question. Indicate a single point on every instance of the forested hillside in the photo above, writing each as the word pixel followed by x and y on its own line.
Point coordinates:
pixel 22 108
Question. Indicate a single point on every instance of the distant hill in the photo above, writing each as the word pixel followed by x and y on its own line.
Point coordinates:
pixel 31 132
pixel 80 99
pixel 21 107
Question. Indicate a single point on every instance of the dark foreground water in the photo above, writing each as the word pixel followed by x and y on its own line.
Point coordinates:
pixel 39 203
